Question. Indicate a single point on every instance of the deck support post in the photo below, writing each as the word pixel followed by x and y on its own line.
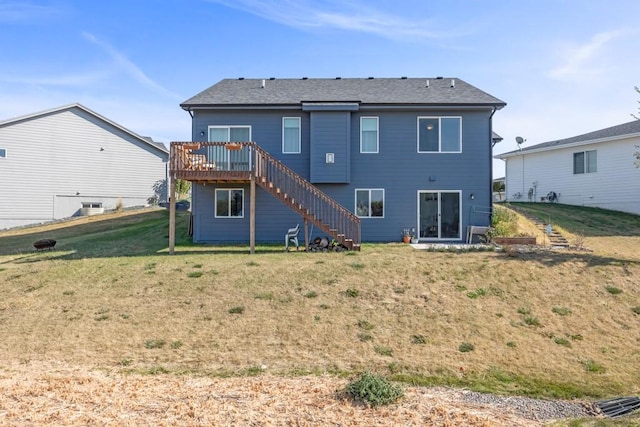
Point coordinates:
pixel 252 216
pixel 172 216
pixel 306 235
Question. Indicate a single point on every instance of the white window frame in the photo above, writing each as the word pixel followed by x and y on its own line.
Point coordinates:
pixel 585 162
pixel 369 210
pixel 377 150
pixel 3 153
pixel 439 118
pixel 299 135
pixel 228 127
pixel 215 203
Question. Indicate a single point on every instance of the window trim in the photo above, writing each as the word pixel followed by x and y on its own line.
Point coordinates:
pixel 585 162
pixel 299 120
pixel 439 135
pixel 377 150
pixel 228 127
pixel 369 190
pixel 215 203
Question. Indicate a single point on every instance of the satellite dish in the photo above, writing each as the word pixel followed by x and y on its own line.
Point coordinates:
pixel 520 140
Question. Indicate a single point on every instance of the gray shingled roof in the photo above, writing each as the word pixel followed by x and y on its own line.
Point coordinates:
pixel 602 134
pixel 363 90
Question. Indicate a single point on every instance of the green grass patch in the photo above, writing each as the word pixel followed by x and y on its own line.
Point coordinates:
pixel 373 390
pixel 351 292
pixel 466 347
pixel 154 344
pixel 561 311
pixel 195 274
pixel 613 290
pixel 236 310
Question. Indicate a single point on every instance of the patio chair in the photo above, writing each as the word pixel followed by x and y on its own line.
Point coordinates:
pixel 292 236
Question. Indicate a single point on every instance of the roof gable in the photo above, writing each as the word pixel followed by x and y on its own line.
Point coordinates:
pixel 385 91
pixel 146 140
pixel 610 133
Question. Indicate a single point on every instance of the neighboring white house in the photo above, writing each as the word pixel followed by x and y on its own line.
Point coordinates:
pixel 70 161
pixel 595 169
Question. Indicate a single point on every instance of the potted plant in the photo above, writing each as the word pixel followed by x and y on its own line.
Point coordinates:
pixel 406 235
pixel 414 237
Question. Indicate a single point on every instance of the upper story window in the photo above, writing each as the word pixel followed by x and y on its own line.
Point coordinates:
pixel 439 134
pixel 370 203
pixel 3 153
pixel 291 135
pixel 368 134
pixel 229 203
pixel 585 162
pixel 229 133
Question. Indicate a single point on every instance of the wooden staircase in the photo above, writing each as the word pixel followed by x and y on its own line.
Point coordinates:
pixel 306 199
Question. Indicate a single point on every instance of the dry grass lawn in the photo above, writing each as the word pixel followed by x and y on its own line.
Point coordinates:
pixel 96 335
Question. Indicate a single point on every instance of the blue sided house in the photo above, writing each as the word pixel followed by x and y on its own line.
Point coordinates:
pixel 353 159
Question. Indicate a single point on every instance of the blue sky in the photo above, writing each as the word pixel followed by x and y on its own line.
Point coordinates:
pixel 564 67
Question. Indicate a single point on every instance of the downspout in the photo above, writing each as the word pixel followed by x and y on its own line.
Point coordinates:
pixel 491 164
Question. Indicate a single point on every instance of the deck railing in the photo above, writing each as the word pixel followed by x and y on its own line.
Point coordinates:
pixel 202 161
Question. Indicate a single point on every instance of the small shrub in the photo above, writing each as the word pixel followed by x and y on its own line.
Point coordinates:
pixel 236 310
pixel 383 350
pixel 524 310
pixel 151 344
pixel 418 339
pixel 311 294
pixel 562 341
pixel 252 264
pixel 194 274
pixel 176 345
pixel 477 293
pixel 576 337
pixel 351 292
pixel 593 366
pixel 197 265
pixel 561 311
pixel 363 324
pixel 323 306
pixel 636 309
pixel 68 293
pixel 613 290
pixel 373 390
pixel 264 296
pixel 511 344
pixel 531 321
pixel 466 347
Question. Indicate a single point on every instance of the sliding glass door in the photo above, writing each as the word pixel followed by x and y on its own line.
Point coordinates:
pixel 439 214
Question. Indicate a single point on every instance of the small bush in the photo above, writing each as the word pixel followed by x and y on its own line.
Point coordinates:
pixel 561 311
pixel 311 294
pixel 636 309
pixel 351 292
pixel 373 390
pixel 383 350
pixel 480 292
pixel 524 310
pixel 236 310
pixel 531 321
pixel 195 274
pixel 418 339
pixel 176 345
pixel 511 344
pixel 504 222
pixel 151 344
pixel 363 324
pixel 466 347
pixel 365 337
pixel 613 290
pixel 562 341
pixel 593 366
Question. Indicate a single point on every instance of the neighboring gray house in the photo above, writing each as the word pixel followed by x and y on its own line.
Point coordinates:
pixel 595 169
pixel 70 160
pixel 394 153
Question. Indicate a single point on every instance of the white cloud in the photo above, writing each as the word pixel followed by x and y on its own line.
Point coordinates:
pixel 351 16
pixel 584 61
pixel 21 11
pixel 128 67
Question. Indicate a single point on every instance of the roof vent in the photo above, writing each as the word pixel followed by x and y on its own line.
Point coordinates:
pixel 439 78
pixel 404 77
pixel 264 83
pixel 453 83
pixel 369 78
pixel 305 78
pixel 240 78
pixel 338 78
pixel 427 85
pixel 272 78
